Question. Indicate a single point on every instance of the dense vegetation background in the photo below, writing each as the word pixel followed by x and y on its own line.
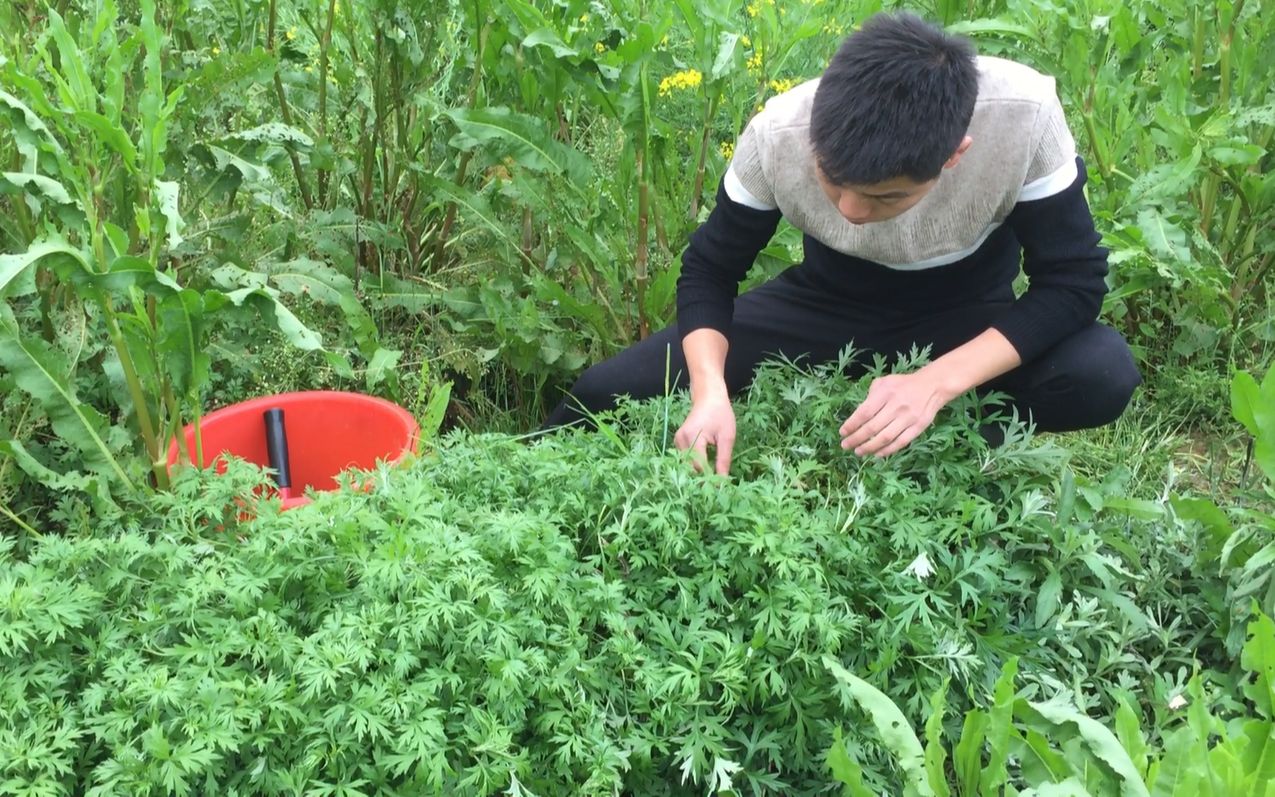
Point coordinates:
pixel 459 206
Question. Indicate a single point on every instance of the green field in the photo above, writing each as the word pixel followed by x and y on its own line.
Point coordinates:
pixel 459 207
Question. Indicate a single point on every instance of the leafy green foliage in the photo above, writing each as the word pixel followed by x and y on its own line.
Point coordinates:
pixel 578 614
pixel 1061 751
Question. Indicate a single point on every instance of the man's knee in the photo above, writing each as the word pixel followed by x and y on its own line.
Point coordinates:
pixel 1103 376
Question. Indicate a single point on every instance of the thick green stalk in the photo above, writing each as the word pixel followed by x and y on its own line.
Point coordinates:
pixel 1208 196
pixel 147 425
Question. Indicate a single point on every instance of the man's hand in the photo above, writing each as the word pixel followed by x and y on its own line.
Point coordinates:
pixel 711 422
pixel 898 408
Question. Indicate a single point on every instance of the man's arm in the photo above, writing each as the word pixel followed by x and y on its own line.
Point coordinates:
pixel 1066 270
pixel 718 258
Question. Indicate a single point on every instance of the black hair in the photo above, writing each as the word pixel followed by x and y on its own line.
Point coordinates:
pixel 895 101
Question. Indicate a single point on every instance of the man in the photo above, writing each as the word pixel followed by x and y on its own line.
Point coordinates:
pixel 921 177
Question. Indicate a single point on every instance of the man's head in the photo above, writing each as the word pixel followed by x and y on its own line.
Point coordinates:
pixel 890 113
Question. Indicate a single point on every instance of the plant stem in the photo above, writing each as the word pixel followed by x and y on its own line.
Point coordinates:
pixel 19 522
pixel 640 263
pixel 284 112
pixel 325 42
pixel 140 406
pixel 698 187
pixel 449 217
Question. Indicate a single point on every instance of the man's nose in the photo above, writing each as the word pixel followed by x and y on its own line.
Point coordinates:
pixel 854 207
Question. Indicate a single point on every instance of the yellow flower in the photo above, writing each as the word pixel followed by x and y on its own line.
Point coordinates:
pixel 599 48
pixel 780 86
pixel 291 34
pixel 727 149
pixel 584 18
pixel 754 63
pixel 686 79
pixel 752 9
pixel 216 50
pixel 664 41
pixel 760 107
pixel 747 42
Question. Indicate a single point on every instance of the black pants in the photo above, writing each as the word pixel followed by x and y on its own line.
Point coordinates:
pixel 1086 380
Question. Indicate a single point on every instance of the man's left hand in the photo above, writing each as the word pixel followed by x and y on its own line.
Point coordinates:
pixel 899 407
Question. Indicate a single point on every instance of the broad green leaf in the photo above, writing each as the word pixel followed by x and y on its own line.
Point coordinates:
pixel 549 38
pixel 276 133
pixel 1071 787
pixel 1176 776
pixel 895 732
pixel 1048 599
pixel 41 186
pixel 1163 238
pixel 81 95
pixel 995 25
pixel 28 130
pixel 725 56
pixel 1244 398
pixel 166 192
pixel 1236 154
pixel 296 332
pixel 1000 724
pixel 325 285
pixel 69 482
pixel 381 365
pixel 1207 514
pixel 967 755
pixel 1129 732
pixel 1038 760
pixel 181 342
pixel 110 134
pixel 526 138
pixel 1258 659
pixel 1258 753
pixel 435 412
pixel 846 770
pixel 935 751
pixel 13 265
pixel 42 372
pixel 1101 742
pixel 473 203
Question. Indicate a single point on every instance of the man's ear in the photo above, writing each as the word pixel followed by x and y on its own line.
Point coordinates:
pixel 960 150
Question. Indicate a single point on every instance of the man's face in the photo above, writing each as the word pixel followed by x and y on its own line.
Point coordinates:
pixel 865 204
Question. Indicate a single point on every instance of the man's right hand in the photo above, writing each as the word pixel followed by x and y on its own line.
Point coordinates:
pixel 711 422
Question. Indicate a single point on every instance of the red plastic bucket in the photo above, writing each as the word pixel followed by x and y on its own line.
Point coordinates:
pixel 327 431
